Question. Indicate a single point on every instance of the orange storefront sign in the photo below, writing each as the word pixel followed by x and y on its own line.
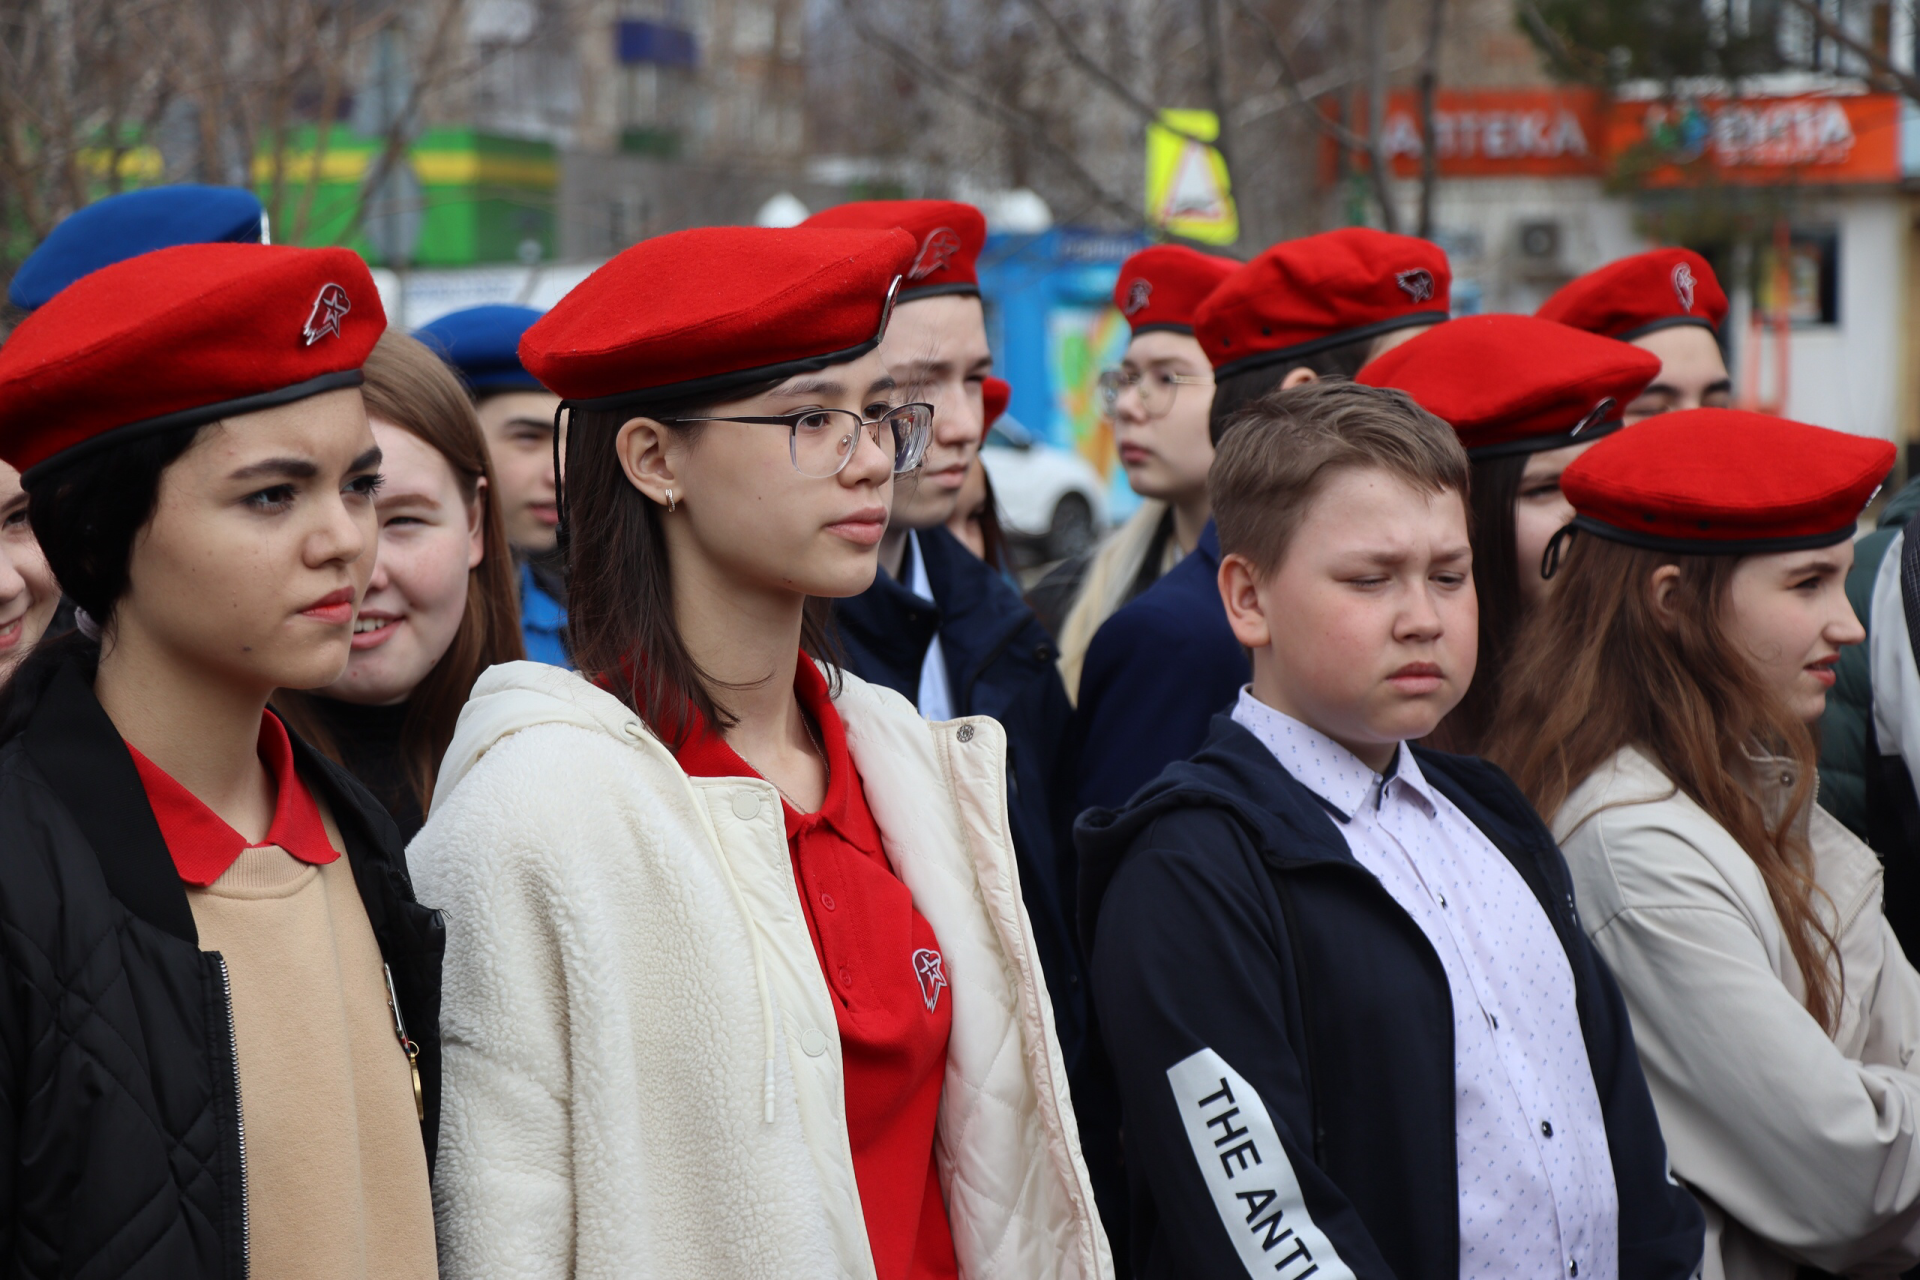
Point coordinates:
pixel 1809 139
pixel 1499 133
pixel 1490 133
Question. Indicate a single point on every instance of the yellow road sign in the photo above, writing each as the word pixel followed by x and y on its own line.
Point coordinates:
pixel 1189 192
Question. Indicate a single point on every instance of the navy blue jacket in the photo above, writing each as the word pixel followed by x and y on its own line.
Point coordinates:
pixel 1157 671
pixel 1000 664
pixel 1237 945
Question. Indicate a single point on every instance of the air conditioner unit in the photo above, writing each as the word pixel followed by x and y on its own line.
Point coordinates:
pixel 1539 242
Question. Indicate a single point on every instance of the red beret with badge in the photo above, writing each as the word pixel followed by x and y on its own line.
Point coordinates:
pixel 1305 296
pixel 1640 294
pixel 995 394
pixel 715 308
pixel 947 238
pixel 1516 384
pixel 179 337
pixel 1725 481
pixel 1161 287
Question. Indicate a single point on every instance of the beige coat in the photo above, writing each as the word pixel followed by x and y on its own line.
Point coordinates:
pixel 1802 1147
pixel 643 1071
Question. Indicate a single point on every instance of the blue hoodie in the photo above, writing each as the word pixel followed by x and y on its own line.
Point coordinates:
pixel 1236 945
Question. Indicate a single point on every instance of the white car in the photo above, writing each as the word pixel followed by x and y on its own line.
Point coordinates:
pixel 1046 495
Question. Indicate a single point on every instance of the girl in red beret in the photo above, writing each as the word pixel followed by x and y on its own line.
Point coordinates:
pixel 440 607
pixel 219 993
pixel 1660 713
pixel 743 983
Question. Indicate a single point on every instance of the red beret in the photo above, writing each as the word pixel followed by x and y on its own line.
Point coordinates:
pixel 714 308
pixel 1304 296
pixel 1725 480
pixel 1515 384
pixel 947 239
pixel 995 393
pixel 180 337
pixel 1639 294
pixel 1161 287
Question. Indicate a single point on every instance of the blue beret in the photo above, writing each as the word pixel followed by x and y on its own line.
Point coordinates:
pixel 132 223
pixel 483 343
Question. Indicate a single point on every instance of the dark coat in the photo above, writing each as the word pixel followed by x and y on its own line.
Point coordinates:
pixel 1000 664
pixel 1157 671
pixel 1227 916
pixel 121 1147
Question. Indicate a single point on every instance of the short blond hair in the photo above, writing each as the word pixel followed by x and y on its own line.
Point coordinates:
pixel 1279 451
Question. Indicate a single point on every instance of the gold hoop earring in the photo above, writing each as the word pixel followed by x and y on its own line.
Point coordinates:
pixel 670 503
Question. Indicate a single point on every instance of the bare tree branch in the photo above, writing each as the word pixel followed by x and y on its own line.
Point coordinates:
pixel 1105 78
pixel 1301 93
pixel 1429 89
pixel 1877 62
pixel 1017 121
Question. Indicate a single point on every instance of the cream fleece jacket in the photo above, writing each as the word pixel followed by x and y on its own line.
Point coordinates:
pixel 642 1067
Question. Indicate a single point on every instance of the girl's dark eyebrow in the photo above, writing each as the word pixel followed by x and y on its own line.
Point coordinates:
pixel 278 469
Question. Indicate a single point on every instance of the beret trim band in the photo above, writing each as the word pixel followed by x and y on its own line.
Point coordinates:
pixel 1163 326
pixel 1261 359
pixel 1668 322
pixel 200 415
pixel 1713 546
pixel 939 291
pixel 1544 444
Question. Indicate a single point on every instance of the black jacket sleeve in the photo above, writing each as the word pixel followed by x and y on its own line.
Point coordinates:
pixel 1192 989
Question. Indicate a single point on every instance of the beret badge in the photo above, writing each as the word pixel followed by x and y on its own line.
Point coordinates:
pixel 329 308
pixel 936 252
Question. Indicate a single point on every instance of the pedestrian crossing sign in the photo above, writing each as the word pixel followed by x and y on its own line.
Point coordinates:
pixel 1189 192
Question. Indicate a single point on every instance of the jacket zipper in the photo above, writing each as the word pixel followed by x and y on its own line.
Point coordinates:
pixel 239 1121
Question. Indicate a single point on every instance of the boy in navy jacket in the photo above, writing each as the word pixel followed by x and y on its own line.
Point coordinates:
pixel 1356 1028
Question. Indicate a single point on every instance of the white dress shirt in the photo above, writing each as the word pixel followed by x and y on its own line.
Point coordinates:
pixel 1537 1194
pixel 936 698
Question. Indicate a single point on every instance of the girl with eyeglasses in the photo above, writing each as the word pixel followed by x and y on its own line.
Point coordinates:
pixel 1158 401
pixel 744 985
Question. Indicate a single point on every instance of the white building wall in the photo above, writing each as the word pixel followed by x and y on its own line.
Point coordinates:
pixel 1845 375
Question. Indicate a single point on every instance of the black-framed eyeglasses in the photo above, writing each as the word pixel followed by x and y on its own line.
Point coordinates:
pixel 823 441
pixel 1157 388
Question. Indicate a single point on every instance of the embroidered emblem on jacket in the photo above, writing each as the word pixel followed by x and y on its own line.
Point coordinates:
pixel 1683 285
pixel 938 250
pixel 926 967
pixel 324 319
pixel 1137 294
pixel 1416 284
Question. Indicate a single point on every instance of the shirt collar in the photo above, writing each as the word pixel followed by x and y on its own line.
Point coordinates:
pixel 1341 779
pixel 204 846
pixel 707 755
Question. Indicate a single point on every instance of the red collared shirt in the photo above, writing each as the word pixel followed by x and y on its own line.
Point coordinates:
pixel 204 846
pixel 883 966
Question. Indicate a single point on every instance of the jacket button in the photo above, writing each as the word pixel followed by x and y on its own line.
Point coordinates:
pixel 746 806
pixel 826 900
pixel 964 733
pixel 813 1042
pixel 1546 1128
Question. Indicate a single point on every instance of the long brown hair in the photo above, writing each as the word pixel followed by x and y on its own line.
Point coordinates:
pixel 1496 581
pixel 409 387
pixel 621 629
pixel 1602 670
